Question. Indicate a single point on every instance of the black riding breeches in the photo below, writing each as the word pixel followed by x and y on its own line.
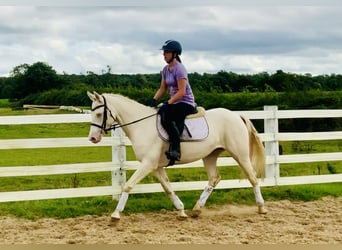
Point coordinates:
pixel 175 113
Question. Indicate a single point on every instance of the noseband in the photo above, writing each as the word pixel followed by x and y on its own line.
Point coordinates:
pixel 105 117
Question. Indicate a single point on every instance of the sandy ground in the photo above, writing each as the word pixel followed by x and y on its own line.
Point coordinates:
pixel 317 222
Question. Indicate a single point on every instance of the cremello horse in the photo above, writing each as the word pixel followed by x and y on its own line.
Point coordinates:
pixel 228 131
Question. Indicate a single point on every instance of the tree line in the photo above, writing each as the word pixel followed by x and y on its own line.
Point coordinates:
pixel 39 83
pixel 26 80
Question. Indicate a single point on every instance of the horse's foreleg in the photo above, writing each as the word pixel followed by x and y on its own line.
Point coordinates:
pixel 120 206
pixel 161 175
pixel 138 175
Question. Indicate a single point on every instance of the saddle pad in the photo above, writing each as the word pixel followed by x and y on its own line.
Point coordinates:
pixel 198 128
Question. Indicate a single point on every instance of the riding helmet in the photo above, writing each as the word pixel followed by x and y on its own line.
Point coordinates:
pixel 172 46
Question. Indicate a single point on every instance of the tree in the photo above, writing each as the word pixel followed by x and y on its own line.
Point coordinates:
pixel 33 79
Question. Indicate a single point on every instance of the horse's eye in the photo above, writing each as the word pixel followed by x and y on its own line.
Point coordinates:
pixel 98 115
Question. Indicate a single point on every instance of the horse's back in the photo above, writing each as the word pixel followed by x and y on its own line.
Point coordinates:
pixel 222 115
pixel 224 121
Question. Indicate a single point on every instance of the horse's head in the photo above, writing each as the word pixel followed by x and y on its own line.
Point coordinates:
pixel 101 117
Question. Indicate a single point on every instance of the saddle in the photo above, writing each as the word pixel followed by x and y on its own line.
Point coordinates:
pixel 195 127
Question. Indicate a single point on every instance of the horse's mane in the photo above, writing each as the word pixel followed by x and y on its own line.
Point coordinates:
pixel 123 97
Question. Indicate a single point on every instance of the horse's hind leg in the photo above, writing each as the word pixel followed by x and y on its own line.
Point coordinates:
pixel 161 175
pixel 250 174
pixel 213 179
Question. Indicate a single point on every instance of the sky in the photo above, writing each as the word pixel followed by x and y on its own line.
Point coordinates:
pixel 77 37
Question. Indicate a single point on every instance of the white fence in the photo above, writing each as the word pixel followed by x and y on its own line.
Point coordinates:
pixel 119 165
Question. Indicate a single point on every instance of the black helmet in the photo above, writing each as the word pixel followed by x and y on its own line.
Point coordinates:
pixel 173 46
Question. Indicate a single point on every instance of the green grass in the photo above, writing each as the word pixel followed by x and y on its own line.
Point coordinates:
pixel 65 208
pixel 311 147
pixel 44 130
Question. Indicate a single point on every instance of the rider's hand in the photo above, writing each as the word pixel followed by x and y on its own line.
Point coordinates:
pixel 152 103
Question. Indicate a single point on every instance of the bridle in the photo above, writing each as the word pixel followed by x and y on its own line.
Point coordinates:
pixel 105 117
pixel 104 120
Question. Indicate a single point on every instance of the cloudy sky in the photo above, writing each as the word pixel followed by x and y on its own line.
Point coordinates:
pixel 238 36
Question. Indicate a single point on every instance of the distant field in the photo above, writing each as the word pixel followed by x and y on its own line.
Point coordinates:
pixel 4 103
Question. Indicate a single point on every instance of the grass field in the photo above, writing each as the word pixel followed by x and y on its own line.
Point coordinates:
pixel 63 208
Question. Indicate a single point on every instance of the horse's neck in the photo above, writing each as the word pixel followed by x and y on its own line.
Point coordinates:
pixel 127 110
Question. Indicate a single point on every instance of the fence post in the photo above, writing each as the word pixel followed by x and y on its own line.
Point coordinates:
pixel 118 158
pixel 272 147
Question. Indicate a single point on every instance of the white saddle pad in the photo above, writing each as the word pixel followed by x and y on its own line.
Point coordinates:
pixel 195 129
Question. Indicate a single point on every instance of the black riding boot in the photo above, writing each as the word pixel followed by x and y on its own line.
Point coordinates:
pixel 173 154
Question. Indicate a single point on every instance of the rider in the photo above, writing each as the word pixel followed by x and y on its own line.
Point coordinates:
pixel 181 102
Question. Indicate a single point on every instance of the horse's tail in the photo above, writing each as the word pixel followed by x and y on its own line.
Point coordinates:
pixel 257 150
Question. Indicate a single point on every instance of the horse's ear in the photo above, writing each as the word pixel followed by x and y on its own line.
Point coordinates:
pixel 91 96
pixel 97 96
pixel 94 97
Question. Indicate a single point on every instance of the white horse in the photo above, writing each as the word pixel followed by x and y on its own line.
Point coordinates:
pixel 228 131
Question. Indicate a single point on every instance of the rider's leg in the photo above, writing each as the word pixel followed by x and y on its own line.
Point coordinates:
pixel 170 127
pixel 172 119
pixel 174 139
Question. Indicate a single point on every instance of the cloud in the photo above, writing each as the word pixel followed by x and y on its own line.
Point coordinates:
pixel 244 39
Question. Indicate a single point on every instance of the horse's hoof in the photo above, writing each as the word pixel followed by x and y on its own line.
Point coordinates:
pixel 114 219
pixel 262 210
pixel 182 215
pixel 196 210
pixel 195 213
pixel 115 216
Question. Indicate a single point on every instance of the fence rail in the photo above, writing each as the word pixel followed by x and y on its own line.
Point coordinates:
pixel 119 165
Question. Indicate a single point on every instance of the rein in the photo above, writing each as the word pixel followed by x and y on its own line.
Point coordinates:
pixel 113 126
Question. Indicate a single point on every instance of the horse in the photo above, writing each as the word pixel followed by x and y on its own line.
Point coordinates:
pixel 229 132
